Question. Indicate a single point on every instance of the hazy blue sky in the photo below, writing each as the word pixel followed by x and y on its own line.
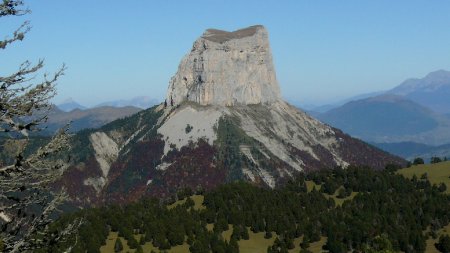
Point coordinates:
pixel 323 50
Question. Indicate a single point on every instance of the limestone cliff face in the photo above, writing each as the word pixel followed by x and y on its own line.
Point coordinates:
pixel 227 68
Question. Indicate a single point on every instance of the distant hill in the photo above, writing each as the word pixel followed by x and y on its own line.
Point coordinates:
pixel 410 150
pixel 89 118
pixel 432 91
pixel 142 102
pixel 317 109
pixel 389 118
pixel 69 105
pixel 404 149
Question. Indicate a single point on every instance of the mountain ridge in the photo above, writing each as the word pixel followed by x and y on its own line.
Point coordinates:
pixel 142 102
pixel 411 150
pixel 80 119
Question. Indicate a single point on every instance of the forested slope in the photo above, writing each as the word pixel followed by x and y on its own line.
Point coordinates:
pixel 380 213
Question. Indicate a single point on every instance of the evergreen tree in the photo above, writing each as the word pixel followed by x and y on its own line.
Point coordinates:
pixel 435 159
pixel 244 233
pixel 418 161
pixel 118 246
pixel 442 187
pixel 305 242
pixel 444 244
pixel 234 245
pixel 268 235
pixel 139 249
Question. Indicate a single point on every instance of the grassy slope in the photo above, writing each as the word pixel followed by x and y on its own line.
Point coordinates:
pixel 437 173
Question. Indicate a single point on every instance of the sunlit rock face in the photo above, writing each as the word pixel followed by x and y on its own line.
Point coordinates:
pixel 227 68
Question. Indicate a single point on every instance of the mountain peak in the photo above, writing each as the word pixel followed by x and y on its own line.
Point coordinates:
pixel 433 81
pixel 227 68
pixel 69 105
pixel 68 100
pixel 439 75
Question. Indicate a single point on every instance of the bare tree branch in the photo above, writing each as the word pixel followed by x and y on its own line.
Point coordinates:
pixel 27 201
pixel 18 101
pixel 18 34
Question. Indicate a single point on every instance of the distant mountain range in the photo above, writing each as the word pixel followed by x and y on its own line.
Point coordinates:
pixel 416 111
pixel 142 102
pixel 87 118
pixel 389 118
pixel 431 91
pixel 410 150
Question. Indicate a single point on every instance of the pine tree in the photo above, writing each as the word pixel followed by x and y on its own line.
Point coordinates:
pixel 268 235
pixel 244 233
pixel 142 240
pixel 118 246
pixel 234 245
pixel 139 249
pixel 444 244
pixel 305 243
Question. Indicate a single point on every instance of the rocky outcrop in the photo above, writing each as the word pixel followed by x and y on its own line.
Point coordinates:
pixel 106 152
pixel 227 68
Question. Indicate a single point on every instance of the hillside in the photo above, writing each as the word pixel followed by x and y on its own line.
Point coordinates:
pixel 157 151
pixel 389 118
pixel 411 150
pixel 405 149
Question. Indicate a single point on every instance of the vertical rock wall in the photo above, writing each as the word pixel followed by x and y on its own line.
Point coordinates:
pixel 227 68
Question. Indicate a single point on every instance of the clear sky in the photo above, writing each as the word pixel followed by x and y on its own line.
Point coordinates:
pixel 323 50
